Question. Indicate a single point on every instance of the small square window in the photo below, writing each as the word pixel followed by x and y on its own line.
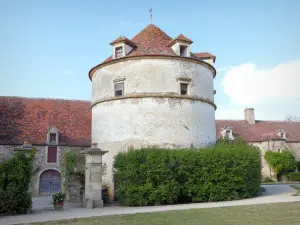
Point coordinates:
pixel 119 52
pixel 119 89
pixel 183 89
pixel 183 50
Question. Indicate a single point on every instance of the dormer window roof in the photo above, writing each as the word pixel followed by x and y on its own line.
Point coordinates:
pixel 124 40
pixel 204 56
pixel 181 38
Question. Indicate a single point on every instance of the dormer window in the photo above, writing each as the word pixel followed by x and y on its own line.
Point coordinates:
pixel 226 133
pixel 119 51
pixel 181 45
pixel 281 133
pixel 122 46
pixel 52 136
pixel 183 50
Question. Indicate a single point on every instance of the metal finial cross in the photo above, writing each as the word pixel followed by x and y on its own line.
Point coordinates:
pixel 150 15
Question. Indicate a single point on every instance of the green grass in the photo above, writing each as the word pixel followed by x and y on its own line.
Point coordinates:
pixel 267 214
pixel 297 187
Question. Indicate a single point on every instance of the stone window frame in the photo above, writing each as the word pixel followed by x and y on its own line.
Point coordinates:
pixel 185 50
pixel 119 81
pixel 184 80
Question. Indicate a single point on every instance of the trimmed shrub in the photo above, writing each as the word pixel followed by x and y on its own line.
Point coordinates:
pixel 293 176
pixel 151 176
pixel 267 180
pixel 15 176
pixel 298 165
pixel 281 162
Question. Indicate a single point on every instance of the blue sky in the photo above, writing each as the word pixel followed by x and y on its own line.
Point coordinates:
pixel 48 47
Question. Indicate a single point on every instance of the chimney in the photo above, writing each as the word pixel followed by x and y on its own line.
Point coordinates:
pixel 249 115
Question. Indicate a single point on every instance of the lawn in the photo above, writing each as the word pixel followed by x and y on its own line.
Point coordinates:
pixel 297 187
pixel 280 213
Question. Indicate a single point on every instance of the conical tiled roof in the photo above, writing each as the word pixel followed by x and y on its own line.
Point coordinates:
pixel 151 41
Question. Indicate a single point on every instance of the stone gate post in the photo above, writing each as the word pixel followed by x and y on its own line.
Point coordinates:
pixel 93 177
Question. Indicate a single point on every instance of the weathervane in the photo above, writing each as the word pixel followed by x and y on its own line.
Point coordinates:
pixel 150 11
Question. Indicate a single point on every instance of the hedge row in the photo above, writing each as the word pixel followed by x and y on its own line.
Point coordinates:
pixel 15 178
pixel 231 170
pixel 293 176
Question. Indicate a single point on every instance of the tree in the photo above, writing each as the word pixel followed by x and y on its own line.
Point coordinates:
pixel 292 118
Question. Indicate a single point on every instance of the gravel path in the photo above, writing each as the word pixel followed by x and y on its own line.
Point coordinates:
pixel 273 194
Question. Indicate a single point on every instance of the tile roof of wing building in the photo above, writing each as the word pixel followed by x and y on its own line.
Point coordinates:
pixel 29 118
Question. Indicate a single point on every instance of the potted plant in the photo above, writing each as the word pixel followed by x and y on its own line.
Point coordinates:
pixel 58 200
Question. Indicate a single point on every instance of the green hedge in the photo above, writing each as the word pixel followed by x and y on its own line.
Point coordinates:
pixel 15 178
pixel 152 176
pixel 293 176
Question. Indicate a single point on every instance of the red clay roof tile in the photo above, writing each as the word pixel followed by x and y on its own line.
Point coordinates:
pixel 29 118
pixel 152 41
pixel 261 130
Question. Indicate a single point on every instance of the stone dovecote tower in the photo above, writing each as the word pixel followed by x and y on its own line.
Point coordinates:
pixel 152 91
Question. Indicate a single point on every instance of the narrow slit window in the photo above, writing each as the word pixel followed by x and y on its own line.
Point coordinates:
pixel 183 89
pixel 119 52
pixel 119 89
pixel 183 50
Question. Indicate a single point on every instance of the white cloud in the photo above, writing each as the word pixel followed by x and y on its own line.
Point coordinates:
pixel 222 69
pixel 273 92
pixel 247 84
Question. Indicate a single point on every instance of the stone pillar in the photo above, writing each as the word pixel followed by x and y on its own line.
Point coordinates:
pixel 93 177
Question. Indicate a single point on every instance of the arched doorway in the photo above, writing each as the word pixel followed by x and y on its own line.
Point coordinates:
pixel 50 182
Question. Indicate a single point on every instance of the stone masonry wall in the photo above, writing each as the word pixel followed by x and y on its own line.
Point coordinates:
pixel 41 165
pixel 275 146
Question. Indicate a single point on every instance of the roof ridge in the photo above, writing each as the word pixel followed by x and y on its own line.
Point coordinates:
pixel 272 121
pixel 147 27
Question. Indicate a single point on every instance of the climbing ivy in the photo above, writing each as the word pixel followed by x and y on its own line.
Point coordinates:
pixel 73 168
pixel 281 162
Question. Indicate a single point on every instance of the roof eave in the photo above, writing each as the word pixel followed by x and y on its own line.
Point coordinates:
pixel 139 56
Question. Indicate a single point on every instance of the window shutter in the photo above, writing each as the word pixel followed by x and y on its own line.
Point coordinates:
pixel 52 154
